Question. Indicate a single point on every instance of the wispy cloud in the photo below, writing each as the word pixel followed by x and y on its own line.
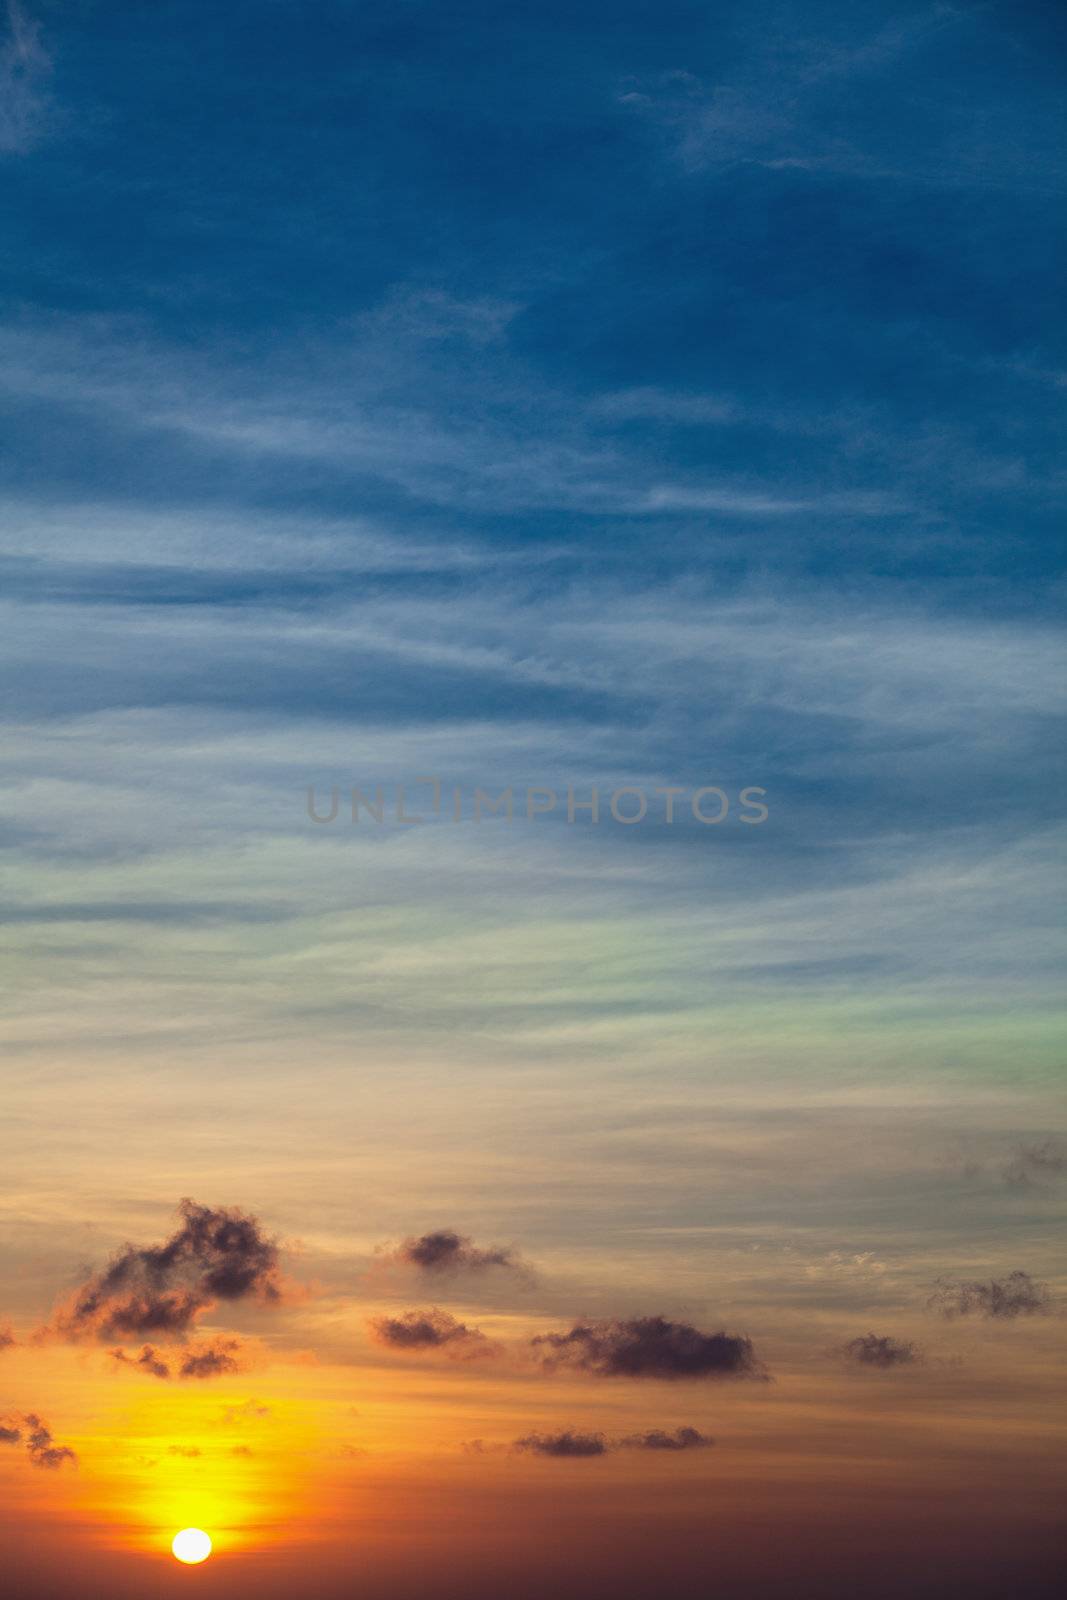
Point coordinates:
pixel 1005 1299
pixel 25 67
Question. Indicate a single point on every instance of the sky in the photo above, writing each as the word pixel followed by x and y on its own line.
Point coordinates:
pixel 479 408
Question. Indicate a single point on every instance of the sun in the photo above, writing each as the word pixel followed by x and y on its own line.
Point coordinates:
pixel 191 1546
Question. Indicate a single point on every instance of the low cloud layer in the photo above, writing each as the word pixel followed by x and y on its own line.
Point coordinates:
pixel 562 1445
pixel 879 1350
pixel 1017 1295
pixel 569 1443
pixel 425 1330
pixel 444 1251
pixel 161 1290
pixel 657 1439
pixel 36 1436
pixel 650 1347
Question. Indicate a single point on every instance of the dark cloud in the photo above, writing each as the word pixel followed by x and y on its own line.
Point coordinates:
pixel 657 1439
pixel 1036 1166
pixel 189 1451
pixel 424 1330
pixel 566 1444
pixel 37 1437
pixel 149 1361
pixel 445 1251
pixel 210 1359
pixel 650 1347
pixel 161 1290
pixel 1017 1295
pixel 7 1339
pixel 571 1443
pixel 878 1350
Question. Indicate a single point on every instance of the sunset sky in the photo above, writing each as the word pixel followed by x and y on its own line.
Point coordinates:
pixel 547 398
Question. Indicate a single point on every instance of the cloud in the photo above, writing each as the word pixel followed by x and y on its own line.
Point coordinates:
pixel 1017 1295
pixel 445 1251
pixel 216 1254
pixel 37 1437
pixel 650 1347
pixel 566 1444
pixel 775 114
pixel 7 1339
pixel 570 1443
pixel 241 1450
pixel 875 1350
pixel 247 1411
pixel 189 1451
pixel 1036 1166
pixel 210 1359
pixel 657 1439
pixel 425 314
pixel 149 1361
pixel 24 67
pixel 424 1330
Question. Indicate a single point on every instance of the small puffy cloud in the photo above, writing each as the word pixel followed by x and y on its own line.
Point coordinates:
pixel 562 1445
pixel 212 1358
pixel 1017 1295
pixel 879 1350
pixel 241 1450
pixel 161 1290
pixel 650 1347
pixel 7 1339
pixel 188 1451
pixel 444 1251
pixel 658 1439
pixel 149 1360
pixel 424 1330
pixel 29 1430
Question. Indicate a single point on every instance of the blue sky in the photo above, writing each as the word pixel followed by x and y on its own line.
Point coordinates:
pixel 540 395
pixel 635 395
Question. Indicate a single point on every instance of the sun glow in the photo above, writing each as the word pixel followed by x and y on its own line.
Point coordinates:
pixel 191 1546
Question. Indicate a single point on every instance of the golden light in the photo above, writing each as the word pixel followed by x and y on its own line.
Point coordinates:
pixel 192 1545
